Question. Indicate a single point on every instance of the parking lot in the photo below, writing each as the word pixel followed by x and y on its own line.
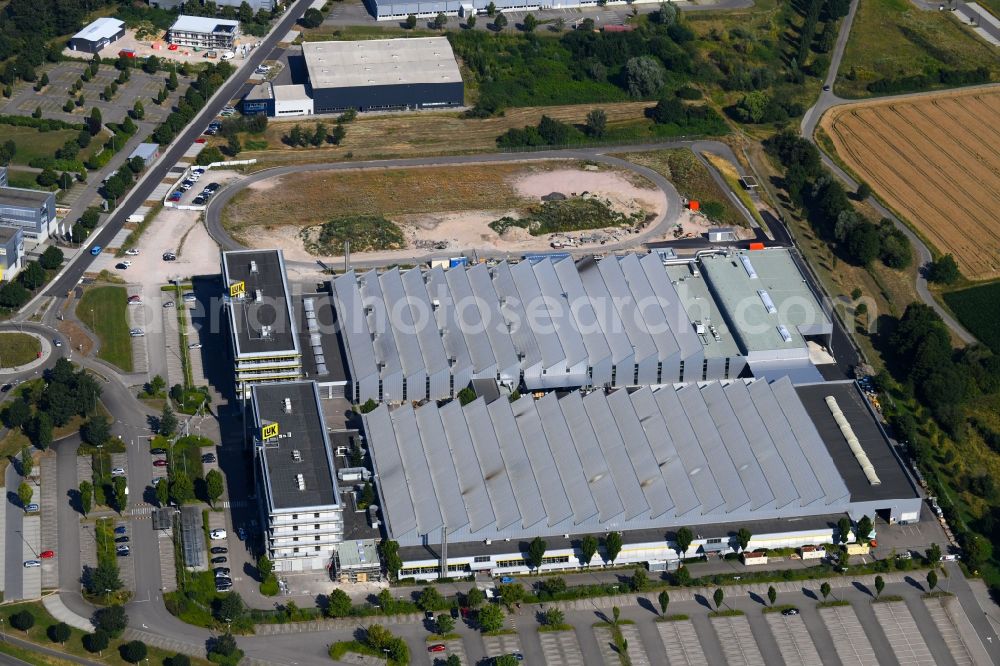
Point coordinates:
pixel 901 630
pixel 849 638
pixel 680 643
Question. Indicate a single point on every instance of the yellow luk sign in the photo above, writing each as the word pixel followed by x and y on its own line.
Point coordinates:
pixel 237 289
pixel 269 431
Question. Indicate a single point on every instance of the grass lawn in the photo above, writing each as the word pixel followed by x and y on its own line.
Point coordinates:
pixel 978 308
pixel 186 455
pixel 18 349
pixel 732 178
pixel 691 178
pixel 31 143
pixel 892 38
pixel 104 310
pixel 73 646
pixel 24 179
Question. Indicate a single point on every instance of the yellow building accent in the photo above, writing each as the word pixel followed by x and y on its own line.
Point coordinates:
pixel 269 431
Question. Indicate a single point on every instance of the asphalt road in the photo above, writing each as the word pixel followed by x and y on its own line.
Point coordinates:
pixel 72 273
pixel 827 100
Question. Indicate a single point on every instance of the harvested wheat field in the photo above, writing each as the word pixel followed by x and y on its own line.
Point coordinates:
pixel 935 159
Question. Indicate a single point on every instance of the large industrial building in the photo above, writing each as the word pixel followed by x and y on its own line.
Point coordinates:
pixel 32 211
pixel 97 35
pixel 387 10
pixel 383 74
pixel 263 335
pixel 301 509
pixel 557 323
pixel 784 461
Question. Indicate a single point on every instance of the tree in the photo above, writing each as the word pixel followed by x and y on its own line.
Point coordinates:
pixel 864 243
pixel 233 146
pixel 59 633
pixel 112 620
pixel 743 537
pixel 718 596
pixel 932 579
pixel 168 422
pixel 13 295
pixel 121 498
pixel 499 21
pixel 975 551
pixel 529 23
pixel 138 110
pixel 390 557
pixel 172 80
pixel 879 586
pixel 17 414
pixel 337 135
pixel 644 76
pixel 27 462
pixel 596 123
pixel 178 660
pixel 225 647
pixel 864 529
pixel 96 642
pixel 554 617
pixel 664 599
pixel 96 430
pixel 440 21
pixel 864 191
pixel 684 538
pixel 162 493
pixel 22 620
pixel 230 607
pixel 37 113
pixel 824 589
pixel 47 177
pixel 772 594
pixel 491 9
pixel 133 652
pixel 536 553
pixel 612 546
pixel 338 604
pixel 445 624
pixel 410 23
pixel 40 430
pixel 639 581
pixel 24 494
pixel 33 275
pixel 844 529
pixel 474 599
pixel 94 121
pixel 466 395
pixel 86 497
pixel 616 614
pixel 181 488
pixel 213 485
pixel 588 548
pixel 490 618
pixel 430 599
pixel 313 18
pixel 470 22
pixel 943 271
pixel 933 554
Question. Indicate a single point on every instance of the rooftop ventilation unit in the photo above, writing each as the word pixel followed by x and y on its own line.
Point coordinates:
pixel 266 332
pixel 288 406
pixel 852 441
pixel 766 300
pixel 253 267
pixel 296 455
pixel 258 295
pixel 748 267
pixel 300 481
pixel 783 332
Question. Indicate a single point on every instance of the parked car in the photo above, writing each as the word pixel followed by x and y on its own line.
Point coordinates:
pixel 158 451
pixel 160 463
pixel 6 387
pixel 32 508
pixel 212 188
pixel 189 297
pixel 185 186
pixel 218 534
pixel 122 550
pixel 121 265
pixel 200 169
pixel 208 458
pixel 137 333
pixel 132 252
pixel 219 550
pixel 126 263
pixel 219 560
pixel 168 304
pixel 96 250
pixel 47 554
pixel 118 471
pixel 121 529
pixel 194 345
pixel 790 611
pixel 32 563
pixel 169 256
pixel 121 539
pixel 221 571
pixel 437 647
pixel 199 200
pixel 135 298
pixel 223 585
pixel 176 196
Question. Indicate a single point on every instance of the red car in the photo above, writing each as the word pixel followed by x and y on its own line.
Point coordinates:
pixel 46 554
pixel 437 647
pixel 172 47
pixel 160 463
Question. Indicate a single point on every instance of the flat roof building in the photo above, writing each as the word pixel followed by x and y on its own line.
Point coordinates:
pixel 204 32
pixel 263 335
pixel 11 252
pixel 147 151
pixel 260 99
pixel 713 456
pixel 32 211
pixel 295 476
pixel 97 35
pixel 292 100
pixel 383 74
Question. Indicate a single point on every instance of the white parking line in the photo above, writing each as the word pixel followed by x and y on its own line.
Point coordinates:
pixel 849 638
pixel 901 630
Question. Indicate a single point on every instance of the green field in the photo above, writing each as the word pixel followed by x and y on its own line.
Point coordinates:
pixel 31 143
pixel 18 349
pixel 978 308
pixel 894 39
pixel 103 310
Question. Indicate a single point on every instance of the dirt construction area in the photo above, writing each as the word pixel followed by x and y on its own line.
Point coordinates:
pixel 443 207
pixel 935 159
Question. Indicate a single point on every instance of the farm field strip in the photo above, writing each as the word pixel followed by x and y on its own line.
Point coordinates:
pixel 935 159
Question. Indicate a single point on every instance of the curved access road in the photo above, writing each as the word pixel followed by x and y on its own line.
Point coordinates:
pixel 810 121
pixel 602 154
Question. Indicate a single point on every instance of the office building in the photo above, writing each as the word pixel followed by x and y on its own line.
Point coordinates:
pixel 204 32
pixel 97 35
pixel 263 335
pixel 32 211
pixel 784 461
pixel 382 74
pixel 11 252
pixel 300 503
